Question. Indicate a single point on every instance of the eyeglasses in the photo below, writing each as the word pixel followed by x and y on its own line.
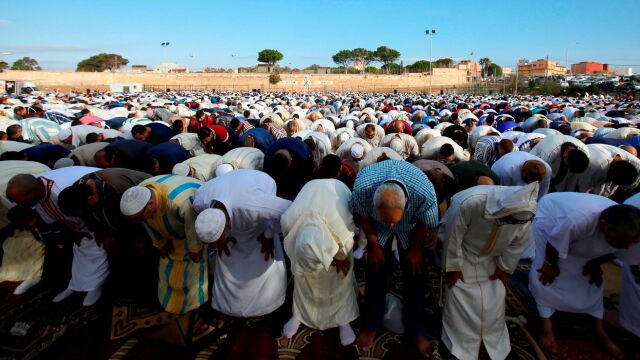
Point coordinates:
pixel 510 220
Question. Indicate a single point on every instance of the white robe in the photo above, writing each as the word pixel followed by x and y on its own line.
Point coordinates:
pixel 344 151
pixel 630 291
pixel 410 146
pixel 318 227
pixel 629 302
pixel 431 149
pixel 594 179
pixel 476 244
pixel 549 150
pixel 245 285
pixel 569 222
pixel 89 268
pixel 509 170
pixel 377 138
pixel 204 166
pixel 244 158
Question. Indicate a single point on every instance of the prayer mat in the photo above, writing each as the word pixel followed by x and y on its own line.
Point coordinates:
pixel 43 322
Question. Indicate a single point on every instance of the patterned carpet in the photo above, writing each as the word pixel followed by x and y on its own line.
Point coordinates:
pixel 122 329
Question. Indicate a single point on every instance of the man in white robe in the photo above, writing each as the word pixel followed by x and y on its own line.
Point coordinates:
pixel 376 155
pixel 201 167
pixel 404 144
pixel 353 150
pixel 242 158
pixel 77 135
pixel 432 150
pixel 564 154
pixel 484 232
pixel 630 293
pixel 319 230
pixel 521 168
pixel 609 167
pixel 574 234
pixel 371 133
pixel 240 214
pixel 89 268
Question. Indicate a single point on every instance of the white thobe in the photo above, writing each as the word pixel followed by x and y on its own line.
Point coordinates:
pixel 344 151
pixel 594 179
pixel 476 244
pixel 89 267
pixel 318 227
pixel 80 133
pixel 190 142
pixel 336 140
pixel 569 222
pixel 549 150
pixel 421 136
pixel 630 291
pixel 377 138
pixel 86 153
pixel 244 158
pixel 204 166
pixel 372 156
pixel 245 285
pixel 509 170
pixel 431 149
pixel 410 146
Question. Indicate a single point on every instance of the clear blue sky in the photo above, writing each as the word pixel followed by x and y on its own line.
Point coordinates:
pixel 61 33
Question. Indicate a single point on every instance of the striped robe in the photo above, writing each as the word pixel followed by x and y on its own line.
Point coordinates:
pixel 182 283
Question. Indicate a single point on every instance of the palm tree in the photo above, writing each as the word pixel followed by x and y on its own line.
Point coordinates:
pixel 485 63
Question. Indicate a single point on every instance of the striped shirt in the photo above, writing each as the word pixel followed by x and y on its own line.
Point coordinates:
pixel 421 207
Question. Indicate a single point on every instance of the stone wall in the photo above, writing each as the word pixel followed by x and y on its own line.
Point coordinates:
pixel 442 79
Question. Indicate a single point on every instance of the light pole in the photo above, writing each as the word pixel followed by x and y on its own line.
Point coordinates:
pixel 165 45
pixel 430 34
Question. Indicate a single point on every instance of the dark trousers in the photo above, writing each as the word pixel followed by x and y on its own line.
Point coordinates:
pixel 413 294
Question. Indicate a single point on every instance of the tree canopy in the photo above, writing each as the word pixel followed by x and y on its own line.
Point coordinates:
pixel 419 66
pixel 443 63
pixel 26 63
pixel 3 65
pixel 102 62
pixel 343 58
pixel 270 56
pixel 386 56
pixel 313 67
pixel 485 63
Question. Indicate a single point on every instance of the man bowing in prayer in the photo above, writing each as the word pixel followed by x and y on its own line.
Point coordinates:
pixel 239 213
pixel 575 234
pixel 396 203
pixel 318 230
pixel 484 233
pixel 163 204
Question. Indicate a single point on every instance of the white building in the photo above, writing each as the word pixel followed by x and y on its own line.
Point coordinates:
pixel 170 67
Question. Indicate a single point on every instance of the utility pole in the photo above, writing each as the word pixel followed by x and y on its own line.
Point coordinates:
pixel 164 48
pixel 430 34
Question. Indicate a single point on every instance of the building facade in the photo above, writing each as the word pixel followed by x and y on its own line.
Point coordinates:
pixel 540 67
pixel 590 67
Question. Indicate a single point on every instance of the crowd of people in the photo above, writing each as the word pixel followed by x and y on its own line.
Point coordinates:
pixel 259 186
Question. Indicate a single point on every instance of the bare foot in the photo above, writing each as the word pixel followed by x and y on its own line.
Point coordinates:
pixel 548 343
pixel 365 340
pixel 611 347
pixel 424 346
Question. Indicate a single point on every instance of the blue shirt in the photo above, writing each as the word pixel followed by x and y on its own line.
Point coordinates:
pixel 421 207
pixel 45 153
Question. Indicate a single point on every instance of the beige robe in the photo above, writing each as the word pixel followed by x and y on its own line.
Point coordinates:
pixel 318 227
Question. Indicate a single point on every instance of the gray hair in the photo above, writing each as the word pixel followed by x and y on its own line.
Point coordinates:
pixel 399 199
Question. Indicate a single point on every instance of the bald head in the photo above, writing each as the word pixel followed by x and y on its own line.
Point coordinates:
pixel 485 180
pixel 389 200
pixel 630 149
pixel 25 190
pixel 533 170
